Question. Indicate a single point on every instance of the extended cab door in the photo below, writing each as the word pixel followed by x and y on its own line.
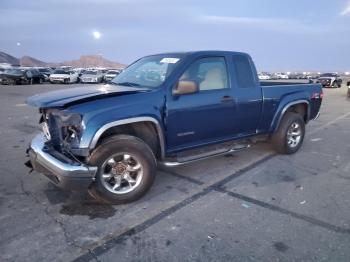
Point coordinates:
pixel 207 115
pixel 247 93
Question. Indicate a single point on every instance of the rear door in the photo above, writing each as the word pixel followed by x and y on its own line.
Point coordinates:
pixel 247 94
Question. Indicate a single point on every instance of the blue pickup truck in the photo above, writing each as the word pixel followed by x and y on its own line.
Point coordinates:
pixel 166 109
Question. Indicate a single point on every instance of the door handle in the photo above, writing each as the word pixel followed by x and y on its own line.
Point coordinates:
pixel 226 99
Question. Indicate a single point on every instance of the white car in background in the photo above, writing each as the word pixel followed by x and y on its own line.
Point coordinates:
pixel 281 76
pixel 91 76
pixel 63 76
pixel 263 76
pixel 111 74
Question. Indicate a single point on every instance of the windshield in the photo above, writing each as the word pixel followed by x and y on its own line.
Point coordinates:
pixel 60 72
pixel 328 75
pixel 148 72
pixel 90 73
pixel 44 70
pixel 15 71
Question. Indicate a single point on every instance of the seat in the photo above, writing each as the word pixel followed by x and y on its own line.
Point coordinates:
pixel 213 79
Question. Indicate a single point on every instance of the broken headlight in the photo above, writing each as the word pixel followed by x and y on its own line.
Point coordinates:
pixel 62 128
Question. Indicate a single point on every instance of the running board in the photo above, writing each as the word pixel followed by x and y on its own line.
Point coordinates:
pixel 194 158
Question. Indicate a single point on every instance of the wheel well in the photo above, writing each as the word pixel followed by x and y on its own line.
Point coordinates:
pixel 146 131
pixel 301 109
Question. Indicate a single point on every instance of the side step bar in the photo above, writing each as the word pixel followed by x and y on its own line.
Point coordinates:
pixel 191 159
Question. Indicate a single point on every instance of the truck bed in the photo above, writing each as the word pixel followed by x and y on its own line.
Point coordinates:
pixel 277 93
pixel 285 82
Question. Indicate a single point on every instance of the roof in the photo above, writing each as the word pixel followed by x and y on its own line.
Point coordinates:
pixel 201 52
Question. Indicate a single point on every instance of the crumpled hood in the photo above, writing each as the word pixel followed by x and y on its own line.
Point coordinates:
pixel 66 97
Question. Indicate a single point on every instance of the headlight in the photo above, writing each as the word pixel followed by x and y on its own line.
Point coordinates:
pixel 68 127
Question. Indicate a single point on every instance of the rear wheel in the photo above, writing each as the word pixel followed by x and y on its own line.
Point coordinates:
pixel 335 84
pixel 126 169
pixel 290 134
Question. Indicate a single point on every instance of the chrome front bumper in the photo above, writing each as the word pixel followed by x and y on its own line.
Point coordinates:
pixel 65 174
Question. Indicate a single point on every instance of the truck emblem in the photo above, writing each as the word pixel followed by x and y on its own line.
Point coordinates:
pixel 186 133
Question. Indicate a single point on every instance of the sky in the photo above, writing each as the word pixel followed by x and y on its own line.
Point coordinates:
pixel 280 35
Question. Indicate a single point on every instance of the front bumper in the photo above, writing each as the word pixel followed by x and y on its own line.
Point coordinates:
pixel 8 81
pixel 325 83
pixel 58 80
pixel 69 174
pixel 89 80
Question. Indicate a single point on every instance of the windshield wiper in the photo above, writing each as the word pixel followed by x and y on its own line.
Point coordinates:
pixel 127 84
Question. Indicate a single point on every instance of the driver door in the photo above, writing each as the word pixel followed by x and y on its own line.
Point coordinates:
pixel 207 115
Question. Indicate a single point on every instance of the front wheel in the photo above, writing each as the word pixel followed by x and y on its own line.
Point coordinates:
pixel 126 169
pixel 290 134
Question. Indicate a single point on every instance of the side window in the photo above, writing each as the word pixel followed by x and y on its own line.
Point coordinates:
pixel 210 73
pixel 243 72
pixel 29 73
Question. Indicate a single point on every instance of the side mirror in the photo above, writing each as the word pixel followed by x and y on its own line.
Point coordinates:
pixel 185 87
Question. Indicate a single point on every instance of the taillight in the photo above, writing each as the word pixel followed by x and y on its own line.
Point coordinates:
pixel 316 95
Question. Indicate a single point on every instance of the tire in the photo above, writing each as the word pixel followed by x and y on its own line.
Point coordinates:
pixel 281 141
pixel 66 81
pixel 119 147
pixel 335 84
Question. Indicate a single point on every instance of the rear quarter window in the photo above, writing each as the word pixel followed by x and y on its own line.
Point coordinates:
pixel 243 72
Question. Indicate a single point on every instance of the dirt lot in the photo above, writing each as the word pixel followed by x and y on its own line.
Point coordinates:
pixel 250 206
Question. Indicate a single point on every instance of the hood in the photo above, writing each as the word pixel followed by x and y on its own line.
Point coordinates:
pixel 59 75
pixel 67 97
pixel 9 76
pixel 90 75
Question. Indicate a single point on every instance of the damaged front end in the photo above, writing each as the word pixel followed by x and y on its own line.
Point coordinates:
pixel 63 130
pixel 55 152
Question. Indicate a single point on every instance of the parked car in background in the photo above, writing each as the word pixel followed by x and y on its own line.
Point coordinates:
pixel 110 75
pixel 46 72
pixel 63 76
pixel 296 76
pixel 263 76
pixel 91 76
pixel 330 80
pixel 108 139
pixel 348 84
pixel 22 76
pixel 281 76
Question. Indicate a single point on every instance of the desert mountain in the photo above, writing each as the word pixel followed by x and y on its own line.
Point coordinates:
pixel 8 59
pixel 83 62
pixel 92 61
pixel 31 61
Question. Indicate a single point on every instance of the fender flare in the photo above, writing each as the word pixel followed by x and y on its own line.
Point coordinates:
pixel 105 127
pixel 287 106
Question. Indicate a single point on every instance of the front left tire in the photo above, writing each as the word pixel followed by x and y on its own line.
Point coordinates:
pixel 126 169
